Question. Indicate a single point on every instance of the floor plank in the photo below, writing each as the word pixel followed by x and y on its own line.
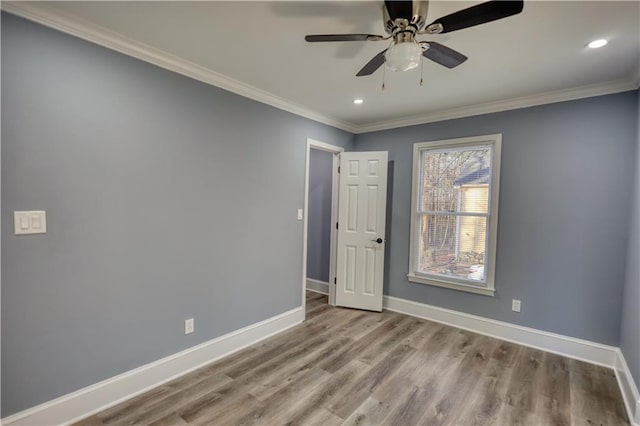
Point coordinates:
pixel 349 367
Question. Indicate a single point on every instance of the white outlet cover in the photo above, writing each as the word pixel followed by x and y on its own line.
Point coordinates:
pixel 188 326
pixel 299 214
pixel 515 305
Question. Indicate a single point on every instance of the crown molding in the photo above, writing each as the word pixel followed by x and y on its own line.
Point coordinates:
pixel 563 95
pixel 112 40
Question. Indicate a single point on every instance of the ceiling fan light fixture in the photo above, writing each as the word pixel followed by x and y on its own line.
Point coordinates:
pixel 403 56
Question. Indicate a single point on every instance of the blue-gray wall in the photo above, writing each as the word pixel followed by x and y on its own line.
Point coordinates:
pixel 166 199
pixel 319 215
pixel 630 321
pixel 564 213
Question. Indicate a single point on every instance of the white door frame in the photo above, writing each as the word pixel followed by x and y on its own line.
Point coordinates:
pixel 311 143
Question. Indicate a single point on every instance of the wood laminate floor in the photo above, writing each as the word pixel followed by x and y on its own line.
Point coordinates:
pixel 352 367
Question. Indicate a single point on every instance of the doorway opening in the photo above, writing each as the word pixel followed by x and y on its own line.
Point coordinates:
pixel 320 218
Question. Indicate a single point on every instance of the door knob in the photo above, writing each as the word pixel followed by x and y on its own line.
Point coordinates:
pixel 379 240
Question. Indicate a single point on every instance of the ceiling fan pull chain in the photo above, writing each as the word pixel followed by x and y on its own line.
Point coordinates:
pixel 384 73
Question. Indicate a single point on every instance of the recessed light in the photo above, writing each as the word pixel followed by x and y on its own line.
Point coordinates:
pixel 597 43
pixel 358 101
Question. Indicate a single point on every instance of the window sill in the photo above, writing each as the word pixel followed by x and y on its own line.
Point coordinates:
pixel 455 286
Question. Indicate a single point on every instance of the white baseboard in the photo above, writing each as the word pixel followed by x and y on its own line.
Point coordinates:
pixel 97 397
pixel 571 347
pixel 317 286
pixel 629 388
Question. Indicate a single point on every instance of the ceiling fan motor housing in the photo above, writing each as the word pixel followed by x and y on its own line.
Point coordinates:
pixel 409 16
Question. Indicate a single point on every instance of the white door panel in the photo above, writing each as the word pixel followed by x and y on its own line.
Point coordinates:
pixel 361 219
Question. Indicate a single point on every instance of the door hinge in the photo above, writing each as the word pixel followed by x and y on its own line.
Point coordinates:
pixel 338 169
pixel 335 280
pixel 336 225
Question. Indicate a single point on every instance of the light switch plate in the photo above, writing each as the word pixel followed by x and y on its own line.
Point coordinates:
pixel 299 214
pixel 30 222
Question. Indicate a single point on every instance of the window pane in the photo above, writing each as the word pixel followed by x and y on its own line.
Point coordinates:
pixel 456 180
pixel 452 246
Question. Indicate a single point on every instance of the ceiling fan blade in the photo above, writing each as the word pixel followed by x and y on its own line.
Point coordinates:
pixel 372 65
pixel 443 55
pixel 399 9
pixel 342 37
pixel 479 14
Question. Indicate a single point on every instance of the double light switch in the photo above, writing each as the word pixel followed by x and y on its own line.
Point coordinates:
pixel 30 222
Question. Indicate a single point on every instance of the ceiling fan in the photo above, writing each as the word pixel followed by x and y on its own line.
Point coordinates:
pixel 404 20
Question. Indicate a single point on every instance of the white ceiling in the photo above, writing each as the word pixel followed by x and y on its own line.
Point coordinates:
pixel 262 44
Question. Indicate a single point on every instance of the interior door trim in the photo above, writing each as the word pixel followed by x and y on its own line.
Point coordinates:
pixel 323 146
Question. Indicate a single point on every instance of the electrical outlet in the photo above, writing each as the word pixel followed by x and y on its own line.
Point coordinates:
pixel 299 214
pixel 515 305
pixel 188 326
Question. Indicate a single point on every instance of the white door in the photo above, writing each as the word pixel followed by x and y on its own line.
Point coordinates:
pixel 361 219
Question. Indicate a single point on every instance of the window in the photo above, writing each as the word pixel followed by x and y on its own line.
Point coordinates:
pixel 454 213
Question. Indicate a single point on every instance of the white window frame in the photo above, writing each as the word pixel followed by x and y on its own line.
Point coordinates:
pixel 462 284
